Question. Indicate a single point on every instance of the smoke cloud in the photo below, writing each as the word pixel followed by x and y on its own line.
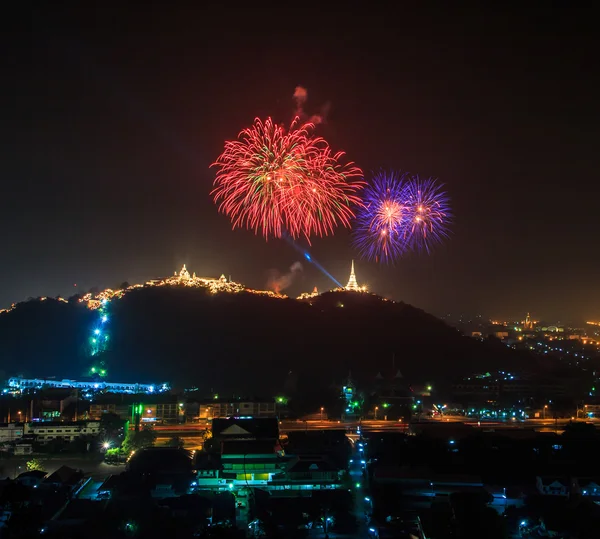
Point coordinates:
pixel 278 282
pixel 301 96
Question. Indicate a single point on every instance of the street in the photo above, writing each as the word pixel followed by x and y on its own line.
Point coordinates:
pixel 91 467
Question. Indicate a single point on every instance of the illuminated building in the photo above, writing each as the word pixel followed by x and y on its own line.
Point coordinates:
pixel 352 284
pixel 308 295
pixel 528 323
pixel 183 278
pixel 66 431
pixel 245 452
pixel 23 384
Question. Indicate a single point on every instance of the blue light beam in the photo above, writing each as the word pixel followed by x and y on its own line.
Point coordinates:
pixel 310 259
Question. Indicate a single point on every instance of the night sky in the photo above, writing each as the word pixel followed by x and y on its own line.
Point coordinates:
pixel 111 118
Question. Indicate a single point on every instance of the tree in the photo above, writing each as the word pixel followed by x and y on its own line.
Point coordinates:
pixel 135 440
pixel 35 465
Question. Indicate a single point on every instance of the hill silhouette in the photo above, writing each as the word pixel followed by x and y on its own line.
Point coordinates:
pixel 245 343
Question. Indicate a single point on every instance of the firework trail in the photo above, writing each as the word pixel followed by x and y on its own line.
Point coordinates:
pixel 271 180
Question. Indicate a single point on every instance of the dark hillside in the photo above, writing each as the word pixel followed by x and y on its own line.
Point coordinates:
pixel 244 342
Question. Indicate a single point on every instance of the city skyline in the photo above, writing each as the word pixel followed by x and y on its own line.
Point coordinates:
pixel 111 137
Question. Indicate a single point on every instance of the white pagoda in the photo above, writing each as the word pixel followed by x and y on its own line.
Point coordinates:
pixel 352 284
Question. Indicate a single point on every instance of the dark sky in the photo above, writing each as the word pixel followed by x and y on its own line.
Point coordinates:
pixel 111 118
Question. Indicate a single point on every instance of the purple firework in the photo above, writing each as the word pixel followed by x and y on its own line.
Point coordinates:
pixel 382 226
pixel 400 213
pixel 429 213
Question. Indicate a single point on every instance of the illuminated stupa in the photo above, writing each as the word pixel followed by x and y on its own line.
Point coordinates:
pixel 352 284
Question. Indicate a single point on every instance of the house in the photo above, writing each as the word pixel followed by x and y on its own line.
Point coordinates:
pixel 588 487
pixel 65 477
pixel 238 428
pixel 317 470
pixel 553 486
pixel 167 469
pixel 31 479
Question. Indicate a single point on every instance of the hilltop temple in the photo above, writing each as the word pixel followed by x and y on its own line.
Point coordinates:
pixel 352 285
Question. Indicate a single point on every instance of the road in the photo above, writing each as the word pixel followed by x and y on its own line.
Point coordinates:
pixel 91 467
pixel 362 503
pixel 194 432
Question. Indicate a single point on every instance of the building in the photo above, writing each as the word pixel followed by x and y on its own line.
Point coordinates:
pixel 352 283
pixel 589 487
pixel 67 432
pixel 98 409
pixel 32 384
pixel 158 408
pixel 66 478
pixel 245 408
pixel 312 471
pixel 245 452
pixel 10 432
pixel 245 429
pixel 200 411
pixel 31 479
pixel 165 412
pixel 553 486
pixel 170 470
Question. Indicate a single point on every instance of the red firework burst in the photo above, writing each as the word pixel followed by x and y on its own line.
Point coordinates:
pixel 272 180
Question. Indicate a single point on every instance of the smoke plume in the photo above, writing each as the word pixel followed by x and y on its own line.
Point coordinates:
pixel 301 96
pixel 278 282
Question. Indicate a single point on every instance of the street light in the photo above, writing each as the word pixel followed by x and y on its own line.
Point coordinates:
pixel 376 408
pixel 327 520
pixel 545 408
pixel 322 413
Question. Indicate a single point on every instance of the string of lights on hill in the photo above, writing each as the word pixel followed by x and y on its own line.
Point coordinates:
pixel 43 298
pixel 183 278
